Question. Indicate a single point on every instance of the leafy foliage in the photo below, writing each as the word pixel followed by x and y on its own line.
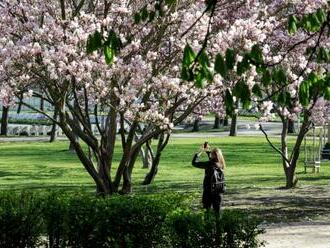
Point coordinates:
pixel 146 221
pixel 233 229
pixel 94 42
pixel 311 22
pixel 220 66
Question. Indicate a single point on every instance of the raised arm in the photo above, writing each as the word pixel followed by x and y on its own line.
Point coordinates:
pixel 196 163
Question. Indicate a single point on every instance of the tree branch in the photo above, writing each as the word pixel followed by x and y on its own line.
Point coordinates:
pixel 274 147
pixel 39 111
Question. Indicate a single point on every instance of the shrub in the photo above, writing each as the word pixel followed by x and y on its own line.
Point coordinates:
pixel 83 220
pixel 126 221
pixel 232 230
pixel 54 210
pixel 238 230
pixel 20 220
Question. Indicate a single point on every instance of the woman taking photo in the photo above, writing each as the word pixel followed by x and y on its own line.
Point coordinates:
pixel 213 184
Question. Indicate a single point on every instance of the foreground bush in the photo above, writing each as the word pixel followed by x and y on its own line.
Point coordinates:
pixel 20 220
pixel 62 220
pixel 203 230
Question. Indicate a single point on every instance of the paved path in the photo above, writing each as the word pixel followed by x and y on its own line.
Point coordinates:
pixel 245 128
pixel 301 235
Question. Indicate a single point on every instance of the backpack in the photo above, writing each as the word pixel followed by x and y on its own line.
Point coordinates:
pixel 218 185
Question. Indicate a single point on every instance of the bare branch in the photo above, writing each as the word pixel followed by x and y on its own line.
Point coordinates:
pixel 39 111
pixel 274 147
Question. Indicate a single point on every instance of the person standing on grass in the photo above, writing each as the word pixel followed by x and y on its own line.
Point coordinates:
pixel 213 188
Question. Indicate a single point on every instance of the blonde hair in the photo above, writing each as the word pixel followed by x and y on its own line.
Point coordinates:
pixel 219 159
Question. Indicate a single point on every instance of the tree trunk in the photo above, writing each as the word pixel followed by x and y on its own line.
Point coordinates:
pixel 127 175
pixel 42 104
pixel 217 122
pixel 87 162
pixel 127 154
pixel 233 126
pixel 225 122
pixel 291 127
pixel 146 157
pixel 104 173
pixel 153 171
pixel 162 143
pixel 292 180
pixel 4 121
pixel 76 137
pixel 284 148
pixel 71 146
pixel 196 125
pixel 53 130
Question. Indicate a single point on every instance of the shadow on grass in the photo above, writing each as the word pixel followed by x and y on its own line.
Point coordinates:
pixel 283 206
pixel 7 174
pixel 55 187
pixel 169 186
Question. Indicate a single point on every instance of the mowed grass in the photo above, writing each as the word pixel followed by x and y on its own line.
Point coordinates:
pixel 251 164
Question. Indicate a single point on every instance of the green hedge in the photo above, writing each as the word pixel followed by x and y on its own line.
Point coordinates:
pixel 29 121
pixel 82 220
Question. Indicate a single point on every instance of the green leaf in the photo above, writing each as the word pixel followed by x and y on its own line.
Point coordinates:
pixel 289 102
pixel 266 78
pixel 323 55
pixel 281 99
pixel 144 14
pixel 137 18
pixel 109 54
pixel 210 4
pixel 94 42
pixel 113 41
pixel 313 78
pixel 321 15
pixel 292 25
pixel 327 93
pixel 188 56
pixel 304 93
pixel 316 24
pixel 257 90
pixel 230 58
pixel 158 7
pixel 256 54
pixel 306 23
pixel 170 2
pixel 243 66
pixel 309 50
pixel 220 66
pixel 241 91
pixel 207 74
pixel 279 76
pixel 202 77
pixel 152 16
pixel 199 80
pixel 203 59
pixel 187 74
pixel 229 103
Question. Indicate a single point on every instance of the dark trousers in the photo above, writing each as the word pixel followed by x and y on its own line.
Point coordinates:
pixel 210 199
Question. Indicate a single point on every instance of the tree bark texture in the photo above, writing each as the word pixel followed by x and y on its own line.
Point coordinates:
pixel 4 121
pixel 217 122
pixel 196 125
pixel 233 126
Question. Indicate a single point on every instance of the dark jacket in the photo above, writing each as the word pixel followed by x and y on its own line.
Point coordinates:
pixel 208 166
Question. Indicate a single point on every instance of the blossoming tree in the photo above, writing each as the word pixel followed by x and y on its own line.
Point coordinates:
pixel 120 60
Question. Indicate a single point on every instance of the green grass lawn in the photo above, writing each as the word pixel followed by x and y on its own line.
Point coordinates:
pixel 251 163
pixel 253 174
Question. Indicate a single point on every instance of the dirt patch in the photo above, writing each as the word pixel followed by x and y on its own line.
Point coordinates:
pixel 276 205
pixel 291 218
pixel 302 235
